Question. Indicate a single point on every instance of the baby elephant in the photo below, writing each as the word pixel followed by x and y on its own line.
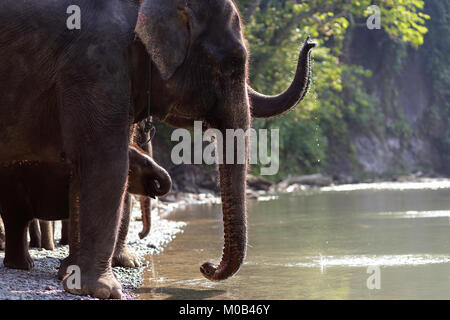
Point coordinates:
pixel 146 177
pixel 38 190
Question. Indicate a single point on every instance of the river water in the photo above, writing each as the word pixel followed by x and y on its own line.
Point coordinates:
pixel 365 242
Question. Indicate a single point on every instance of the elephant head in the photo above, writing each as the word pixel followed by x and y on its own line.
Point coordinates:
pixel 199 51
pixel 146 177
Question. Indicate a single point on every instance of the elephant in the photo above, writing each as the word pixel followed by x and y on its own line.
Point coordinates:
pixel 200 72
pixel 23 186
pixel 28 193
pixel 64 232
pixel 36 229
pixel 41 234
pixel 143 171
pixel 69 96
pixel 2 235
pixel 142 139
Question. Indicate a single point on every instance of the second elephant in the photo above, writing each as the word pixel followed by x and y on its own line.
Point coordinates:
pixel 42 234
pixel 30 190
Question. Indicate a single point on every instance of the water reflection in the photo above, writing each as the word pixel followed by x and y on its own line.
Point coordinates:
pixel 317 246
pixel 365 261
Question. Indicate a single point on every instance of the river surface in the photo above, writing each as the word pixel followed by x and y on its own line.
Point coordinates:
pixel 372 243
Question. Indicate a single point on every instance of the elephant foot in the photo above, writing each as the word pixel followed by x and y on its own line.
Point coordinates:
pixel 2 245
pixel 64 241
pixel 105 286
pixel 65 263
pixel 124 258
pixel 19 262
pixel 47 238
pixel 49 246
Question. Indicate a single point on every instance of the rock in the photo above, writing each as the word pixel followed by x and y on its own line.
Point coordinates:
pixel 296 187
pixel 252 195
pixel 168 198
pixel 205 191
pixel 310 180
pixel 344 179
pixel 192 178
pixel 258 183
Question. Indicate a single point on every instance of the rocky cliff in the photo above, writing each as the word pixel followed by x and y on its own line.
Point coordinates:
pixel 413 119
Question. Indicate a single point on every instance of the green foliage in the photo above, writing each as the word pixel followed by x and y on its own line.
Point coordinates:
pixel 338 98
pixel 436 54
pixel 315 136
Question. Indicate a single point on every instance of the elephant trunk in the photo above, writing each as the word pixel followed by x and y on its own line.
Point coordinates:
pixel 233 192
pixel 164 182
pixel 271 106
pixel 146 210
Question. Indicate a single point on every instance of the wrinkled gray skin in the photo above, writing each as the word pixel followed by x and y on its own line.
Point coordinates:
pixel 146 179
pixel 33 190
pixel 122 256
pixel 64 97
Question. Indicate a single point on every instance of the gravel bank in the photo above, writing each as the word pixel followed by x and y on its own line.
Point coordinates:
pixel 41 282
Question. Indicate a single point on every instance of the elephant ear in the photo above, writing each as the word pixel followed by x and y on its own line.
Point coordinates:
pixel 163 28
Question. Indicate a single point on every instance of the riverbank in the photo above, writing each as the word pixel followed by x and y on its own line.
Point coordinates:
pixel 318 244
pixel 260 189
pixel 41 283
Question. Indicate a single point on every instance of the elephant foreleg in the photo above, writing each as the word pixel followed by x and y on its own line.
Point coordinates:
pixel 72 230
pixel 64 232
pixel 16 249
pixel 2 235
pixel 35 234
pixel 122 256
pixel 47 238
pixel 102 180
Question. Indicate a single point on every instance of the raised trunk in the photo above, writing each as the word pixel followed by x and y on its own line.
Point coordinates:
pixel 233 186
pixel 271 106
